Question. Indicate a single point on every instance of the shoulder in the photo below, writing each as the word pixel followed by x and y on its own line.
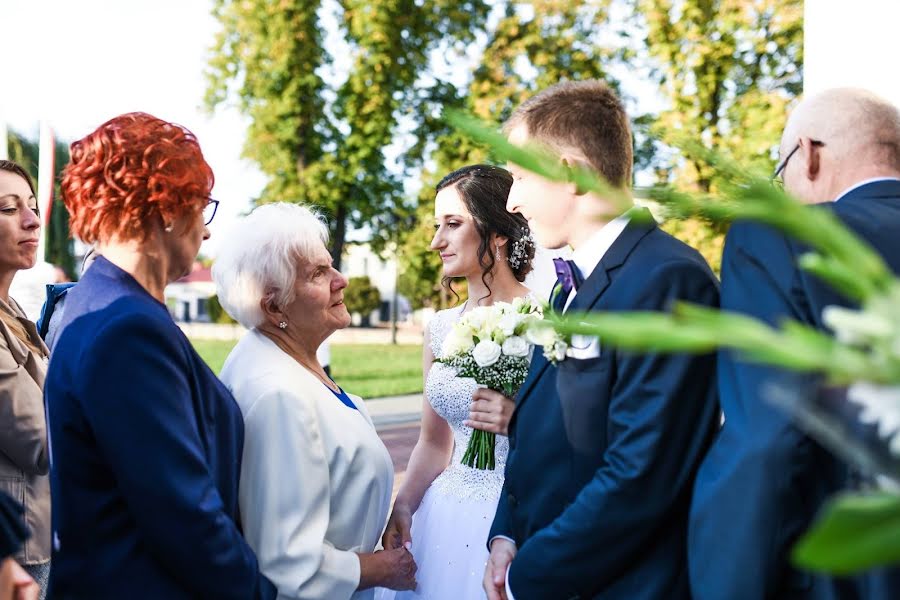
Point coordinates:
pixel 662 256
pixel 264 381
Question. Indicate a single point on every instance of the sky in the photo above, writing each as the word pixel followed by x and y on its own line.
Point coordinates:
pixel 79 63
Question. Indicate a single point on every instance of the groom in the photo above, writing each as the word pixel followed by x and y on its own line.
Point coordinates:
pixel 604 446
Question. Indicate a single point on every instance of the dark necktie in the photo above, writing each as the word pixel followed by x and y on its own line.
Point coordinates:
pixel 568 277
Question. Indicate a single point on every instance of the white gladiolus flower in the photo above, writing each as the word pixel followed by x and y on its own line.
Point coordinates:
pixel 881 406
pixel 853 326
pixel 486 353
pixel 515 346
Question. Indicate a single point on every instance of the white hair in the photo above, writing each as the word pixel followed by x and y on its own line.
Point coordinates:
pixel 261 257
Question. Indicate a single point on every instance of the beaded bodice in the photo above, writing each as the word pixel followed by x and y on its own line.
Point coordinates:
pixel 451 396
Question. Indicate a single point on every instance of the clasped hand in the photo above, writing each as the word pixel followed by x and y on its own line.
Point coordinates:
pixel 490 411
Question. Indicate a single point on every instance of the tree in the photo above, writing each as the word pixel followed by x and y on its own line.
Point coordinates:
pixel 532 46
pixel 59 249
pixel 729 70
pixel 321 141
pixel 360 296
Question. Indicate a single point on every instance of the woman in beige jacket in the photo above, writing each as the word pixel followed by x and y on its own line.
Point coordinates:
pixel 24 457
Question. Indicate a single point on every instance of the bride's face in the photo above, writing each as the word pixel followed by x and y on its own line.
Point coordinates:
pixel 455 236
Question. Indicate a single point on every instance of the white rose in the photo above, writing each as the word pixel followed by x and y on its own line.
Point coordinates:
pixel 515 346
pixel 509 323
pixel 518 303
pixel 486 353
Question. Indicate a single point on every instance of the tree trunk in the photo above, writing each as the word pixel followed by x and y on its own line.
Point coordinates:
pixel 338 233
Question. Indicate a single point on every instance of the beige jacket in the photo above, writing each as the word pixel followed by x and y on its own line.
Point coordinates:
pixel 24 456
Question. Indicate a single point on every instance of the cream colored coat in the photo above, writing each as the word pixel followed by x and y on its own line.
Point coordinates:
pixel 24 457
pixel 315 478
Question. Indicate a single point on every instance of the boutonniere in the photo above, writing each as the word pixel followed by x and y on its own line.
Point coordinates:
pixel 544 333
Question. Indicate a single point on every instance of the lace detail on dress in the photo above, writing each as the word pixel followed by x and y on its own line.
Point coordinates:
pixel 451 396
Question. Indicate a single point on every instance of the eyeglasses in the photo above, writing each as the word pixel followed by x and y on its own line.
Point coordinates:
pixel 781 166
pixel 209 211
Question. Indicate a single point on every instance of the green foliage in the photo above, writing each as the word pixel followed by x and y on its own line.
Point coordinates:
pixel 729 70
pixel 856 533
pixel 360 296
pixel 319 140
pixel 216 313
pixel 59 249
pixel 367 370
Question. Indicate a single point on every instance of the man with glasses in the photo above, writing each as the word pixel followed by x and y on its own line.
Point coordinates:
pixel 763 480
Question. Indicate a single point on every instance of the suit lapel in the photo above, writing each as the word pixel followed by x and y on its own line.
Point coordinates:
pixel 589 293
pixel 594 286
pixel 539 364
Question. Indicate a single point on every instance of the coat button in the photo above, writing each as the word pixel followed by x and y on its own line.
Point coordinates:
pixel 512 500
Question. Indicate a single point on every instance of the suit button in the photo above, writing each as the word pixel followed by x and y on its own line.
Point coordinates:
pixel 512 500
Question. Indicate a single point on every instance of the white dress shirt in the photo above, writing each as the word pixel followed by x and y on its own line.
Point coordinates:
pixel 587 256
pixel 315 477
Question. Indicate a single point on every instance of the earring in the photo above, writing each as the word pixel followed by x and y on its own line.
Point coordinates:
pixel 498 253
pixel 168 229
pixel 282 325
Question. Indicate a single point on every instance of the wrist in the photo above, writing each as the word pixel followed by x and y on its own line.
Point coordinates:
pixel 402 506
pixel 369 570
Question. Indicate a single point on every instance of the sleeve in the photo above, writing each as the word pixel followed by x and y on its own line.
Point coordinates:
pixel 756 494
pixel 22 420
pixel 285 500
pixel 12 527
pixel 501 526
pixel 135 388
pixel 661 415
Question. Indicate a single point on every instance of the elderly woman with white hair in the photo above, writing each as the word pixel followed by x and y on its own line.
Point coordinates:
pixel 316 479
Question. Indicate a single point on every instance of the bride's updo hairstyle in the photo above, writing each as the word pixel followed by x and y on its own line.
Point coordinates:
pixel 484 189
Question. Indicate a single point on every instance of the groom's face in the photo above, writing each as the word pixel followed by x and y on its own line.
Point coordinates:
pixel 549 206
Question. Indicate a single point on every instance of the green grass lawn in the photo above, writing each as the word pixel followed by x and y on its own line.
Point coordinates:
pixel 369 371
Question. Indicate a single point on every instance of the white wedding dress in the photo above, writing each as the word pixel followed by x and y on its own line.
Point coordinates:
pixel 451 526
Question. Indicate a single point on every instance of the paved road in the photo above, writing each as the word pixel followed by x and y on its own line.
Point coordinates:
pixel 400 440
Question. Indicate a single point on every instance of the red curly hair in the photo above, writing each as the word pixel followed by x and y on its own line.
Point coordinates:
pixel 134 171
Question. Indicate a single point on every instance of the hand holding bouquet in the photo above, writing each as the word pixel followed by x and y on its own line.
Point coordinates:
pixel 489 345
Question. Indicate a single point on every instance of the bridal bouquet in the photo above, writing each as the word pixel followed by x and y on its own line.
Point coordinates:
pixel 489 345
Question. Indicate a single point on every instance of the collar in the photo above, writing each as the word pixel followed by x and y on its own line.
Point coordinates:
pixel 587 256
pixel 862 183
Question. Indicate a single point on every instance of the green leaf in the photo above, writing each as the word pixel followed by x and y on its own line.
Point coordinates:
pixel 854 533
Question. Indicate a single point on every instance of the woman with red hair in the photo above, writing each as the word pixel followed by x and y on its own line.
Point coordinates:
pixel 145 441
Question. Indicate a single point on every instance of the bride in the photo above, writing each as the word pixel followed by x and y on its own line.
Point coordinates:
pixel 444 509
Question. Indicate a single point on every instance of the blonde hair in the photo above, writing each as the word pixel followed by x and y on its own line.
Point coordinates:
pixel 19 330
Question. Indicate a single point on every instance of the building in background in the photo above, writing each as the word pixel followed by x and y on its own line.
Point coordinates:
pixel 360 261
pixel 188 298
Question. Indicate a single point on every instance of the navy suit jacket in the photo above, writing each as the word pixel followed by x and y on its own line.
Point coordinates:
pixel 764 480
pixel 603 450
pixel 145 455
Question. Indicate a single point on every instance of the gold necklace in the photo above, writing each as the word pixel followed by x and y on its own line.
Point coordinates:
pixel 327 382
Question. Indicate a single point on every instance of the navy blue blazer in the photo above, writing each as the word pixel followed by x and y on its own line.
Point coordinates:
pixel 603 450
pixel 764 480
pixel 145 455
